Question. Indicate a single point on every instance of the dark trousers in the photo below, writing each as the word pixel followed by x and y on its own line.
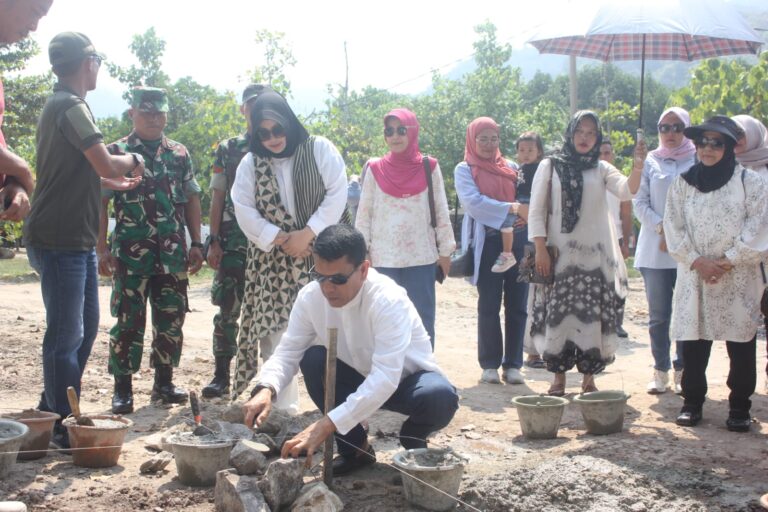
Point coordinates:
pixel 493 350
pixel 742 376
pixel 427 398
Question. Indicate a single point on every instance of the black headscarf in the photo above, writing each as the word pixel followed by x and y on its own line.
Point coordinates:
pixel 710 178
pixel 271 105
pixel 569 164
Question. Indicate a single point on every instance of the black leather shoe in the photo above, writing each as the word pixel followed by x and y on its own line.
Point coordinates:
pixel 122 398
pixel 164 390
pixel 220 384
pixel 738 422
pixel 343 465
pixel 689 418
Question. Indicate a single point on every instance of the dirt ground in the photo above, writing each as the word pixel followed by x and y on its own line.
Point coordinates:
pixel 653 465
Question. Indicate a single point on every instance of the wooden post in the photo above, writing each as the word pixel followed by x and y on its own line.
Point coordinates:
pixel 330 399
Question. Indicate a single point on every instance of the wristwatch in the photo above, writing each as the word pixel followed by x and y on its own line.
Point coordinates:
pixel 199 245
pixel 213 238
pixel 261 386
pixel 660 228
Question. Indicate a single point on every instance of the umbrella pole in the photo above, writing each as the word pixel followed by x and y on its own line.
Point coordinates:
pixel 642 85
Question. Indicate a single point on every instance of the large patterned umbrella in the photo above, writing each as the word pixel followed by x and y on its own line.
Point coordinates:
pixel 684 30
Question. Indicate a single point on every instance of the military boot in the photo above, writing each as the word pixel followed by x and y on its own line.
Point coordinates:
pixel 122 399
pixel 164 389
pixel 220 383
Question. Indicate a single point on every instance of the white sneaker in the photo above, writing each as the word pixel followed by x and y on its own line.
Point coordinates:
pixel 678 382
pixel 513 376
pixel 490 376
pixel 659 383
pixel 503 263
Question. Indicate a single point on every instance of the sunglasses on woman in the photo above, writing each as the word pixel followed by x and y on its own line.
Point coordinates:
pixel 716 144
pixel 337 279
pixel 676 127
pixel 264 134
pixel 390 130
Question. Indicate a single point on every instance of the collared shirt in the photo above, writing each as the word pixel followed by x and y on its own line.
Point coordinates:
pixel 261 232
pixel 649 204
pixel 65 207
pixel 380 335
pixel 149 236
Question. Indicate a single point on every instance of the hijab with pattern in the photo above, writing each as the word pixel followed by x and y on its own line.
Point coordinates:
pixel 569 164
pixel 686 149
pixel 272 106
pixel 402 174
pixel 493 176
pixel 756 147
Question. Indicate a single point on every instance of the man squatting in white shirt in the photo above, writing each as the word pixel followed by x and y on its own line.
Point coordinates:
pixel 384 356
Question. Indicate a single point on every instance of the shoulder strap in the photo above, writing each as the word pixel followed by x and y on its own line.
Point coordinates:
pixel 430 192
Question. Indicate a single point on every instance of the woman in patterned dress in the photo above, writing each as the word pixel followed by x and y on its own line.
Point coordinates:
pixel 573 321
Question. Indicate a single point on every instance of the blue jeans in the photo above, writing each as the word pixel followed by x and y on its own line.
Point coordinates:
pixel 419 282
pixel 69 284
pixel 427 398
pixel 493 350
pixel 659 288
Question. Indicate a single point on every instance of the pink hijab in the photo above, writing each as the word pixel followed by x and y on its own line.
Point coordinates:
pixel 756 149
pixel 402 174
pixel 493 176
pixel 686 149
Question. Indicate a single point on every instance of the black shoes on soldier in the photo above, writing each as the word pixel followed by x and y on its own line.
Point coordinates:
pixel 122 399
pixel 164 390
pixel 219 386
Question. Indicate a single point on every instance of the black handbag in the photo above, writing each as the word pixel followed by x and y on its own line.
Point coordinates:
pixel 527 267
pixel 463 265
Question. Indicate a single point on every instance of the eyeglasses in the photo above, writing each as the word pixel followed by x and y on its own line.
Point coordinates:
pixel 97 59
pixel 487 140
pixel 389 131
pixel 676 127
pixel 277 132
pixel 715 144
pixel 337 279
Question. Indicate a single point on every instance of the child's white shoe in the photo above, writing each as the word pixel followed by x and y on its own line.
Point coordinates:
pixel 504 262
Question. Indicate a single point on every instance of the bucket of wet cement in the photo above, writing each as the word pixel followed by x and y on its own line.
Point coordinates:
pixel 12 434
pixel 428 472
pixel 539 415
pixel 199 458
pixel 97 446
pixel 40 425
pixel 603 411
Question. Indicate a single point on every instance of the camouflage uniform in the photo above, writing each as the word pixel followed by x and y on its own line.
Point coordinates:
pixel 150 246
pixel 227 288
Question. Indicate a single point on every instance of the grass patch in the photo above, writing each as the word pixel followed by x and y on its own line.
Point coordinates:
pixel 17 270
pixel 203 277
pixel 631 270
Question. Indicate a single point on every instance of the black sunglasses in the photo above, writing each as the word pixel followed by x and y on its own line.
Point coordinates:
pixel 676 127
pixel 703 142
pixel 277 131
pixel 390 130
pixel 337 279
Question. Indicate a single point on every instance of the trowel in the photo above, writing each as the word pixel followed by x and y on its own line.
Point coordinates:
pixel 74 404
pixel 200 430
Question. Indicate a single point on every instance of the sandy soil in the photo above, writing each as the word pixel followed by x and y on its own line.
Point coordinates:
pixel 652 465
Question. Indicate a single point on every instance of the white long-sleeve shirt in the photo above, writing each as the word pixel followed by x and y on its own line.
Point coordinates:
pixel 380 335
pixel 262 232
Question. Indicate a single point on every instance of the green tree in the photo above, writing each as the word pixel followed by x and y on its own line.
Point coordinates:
pixel 278 57
pixel 148 48
pixel 726 87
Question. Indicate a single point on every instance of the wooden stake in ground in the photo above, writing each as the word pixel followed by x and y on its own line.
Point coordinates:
pixel 330 399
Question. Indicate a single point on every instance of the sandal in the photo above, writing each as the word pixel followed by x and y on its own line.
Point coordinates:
pixel 588 384
pixel 558 386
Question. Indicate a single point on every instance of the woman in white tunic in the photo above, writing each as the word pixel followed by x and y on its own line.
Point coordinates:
pixel 716 226
pixel 573 321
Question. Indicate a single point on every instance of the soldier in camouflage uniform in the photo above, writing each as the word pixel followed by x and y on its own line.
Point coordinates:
pixel 149 257
pixel 227 250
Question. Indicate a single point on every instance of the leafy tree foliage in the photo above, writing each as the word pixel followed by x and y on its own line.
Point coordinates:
pixel 277 58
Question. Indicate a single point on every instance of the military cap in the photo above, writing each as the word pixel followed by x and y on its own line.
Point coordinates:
pixel 69 47
pixel 253 90
pixel 149 99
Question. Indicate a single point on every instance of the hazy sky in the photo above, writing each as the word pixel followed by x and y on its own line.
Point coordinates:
pixel 389 42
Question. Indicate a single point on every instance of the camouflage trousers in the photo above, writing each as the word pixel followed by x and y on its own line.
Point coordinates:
pixel 167 294
pixel 227 293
